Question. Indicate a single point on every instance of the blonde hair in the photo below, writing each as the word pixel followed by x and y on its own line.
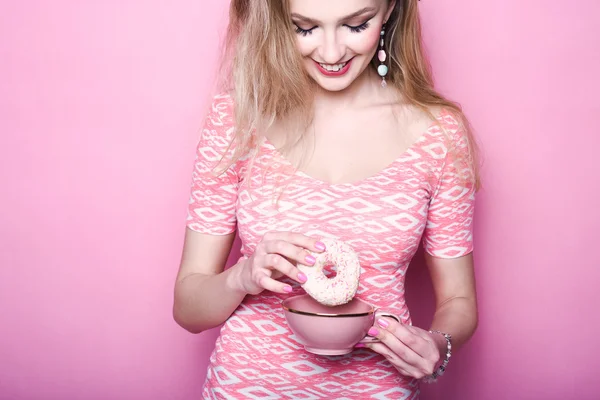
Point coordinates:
pixel 264 73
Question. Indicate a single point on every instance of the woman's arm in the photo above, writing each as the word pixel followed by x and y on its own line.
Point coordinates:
pixel 416 352
pixel 205 296
pixel 453 282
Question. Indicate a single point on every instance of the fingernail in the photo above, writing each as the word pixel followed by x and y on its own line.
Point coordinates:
pixel 373 332
pixel 320 246
pixel 359 345
pixel 287 288
pixel 302 278
pixel 310 259
pixel 383 323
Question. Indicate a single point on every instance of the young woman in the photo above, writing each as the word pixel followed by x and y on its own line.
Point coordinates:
pixel 329 127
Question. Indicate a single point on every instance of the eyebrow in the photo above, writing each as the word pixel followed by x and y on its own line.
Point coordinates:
pixel 347 17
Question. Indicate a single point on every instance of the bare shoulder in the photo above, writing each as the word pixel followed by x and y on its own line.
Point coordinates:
pixel 414 120
pixel 437 111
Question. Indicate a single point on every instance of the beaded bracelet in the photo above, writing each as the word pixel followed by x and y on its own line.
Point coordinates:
pixel 440 371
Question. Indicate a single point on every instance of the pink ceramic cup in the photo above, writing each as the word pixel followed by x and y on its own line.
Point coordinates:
pixel 331 330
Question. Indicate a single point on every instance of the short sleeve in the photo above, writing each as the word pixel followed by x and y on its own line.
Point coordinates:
pixel 449 228
pixel 213 196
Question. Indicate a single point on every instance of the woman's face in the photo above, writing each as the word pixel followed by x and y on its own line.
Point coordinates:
pixel 338 38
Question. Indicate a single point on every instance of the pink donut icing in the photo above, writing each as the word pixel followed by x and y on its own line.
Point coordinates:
pixel 341 288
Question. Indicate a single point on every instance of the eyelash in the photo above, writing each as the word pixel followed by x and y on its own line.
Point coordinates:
pixel 353 29
pixel 359 28
pixel 304 32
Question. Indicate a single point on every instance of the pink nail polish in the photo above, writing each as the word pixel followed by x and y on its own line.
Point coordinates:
pixel 373 332
pixel 383 323
pixel 320 246
pixel 302 278
pixel 359 345
pixel 310 259
pixel 287 288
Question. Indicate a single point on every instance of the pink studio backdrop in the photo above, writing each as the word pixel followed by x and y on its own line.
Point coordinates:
pixel 100 102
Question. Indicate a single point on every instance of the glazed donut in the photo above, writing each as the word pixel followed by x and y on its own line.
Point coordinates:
pixel 341 288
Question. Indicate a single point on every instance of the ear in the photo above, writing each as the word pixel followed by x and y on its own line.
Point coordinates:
pixel 390 9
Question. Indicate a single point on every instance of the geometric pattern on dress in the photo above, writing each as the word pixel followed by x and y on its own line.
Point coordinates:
pixel 417 199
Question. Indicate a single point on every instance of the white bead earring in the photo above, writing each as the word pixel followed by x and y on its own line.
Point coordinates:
pixel 382 70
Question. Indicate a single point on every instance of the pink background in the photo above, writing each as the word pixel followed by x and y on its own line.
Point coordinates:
pixel 100 103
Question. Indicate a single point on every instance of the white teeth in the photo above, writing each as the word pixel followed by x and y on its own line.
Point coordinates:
pixel 334 67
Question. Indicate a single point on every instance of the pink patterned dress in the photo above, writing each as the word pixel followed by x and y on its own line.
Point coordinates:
pixel 417 198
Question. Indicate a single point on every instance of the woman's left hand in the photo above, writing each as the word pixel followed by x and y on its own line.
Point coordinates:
pixel 414 352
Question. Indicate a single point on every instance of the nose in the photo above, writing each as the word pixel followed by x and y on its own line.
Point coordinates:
pixel 332 50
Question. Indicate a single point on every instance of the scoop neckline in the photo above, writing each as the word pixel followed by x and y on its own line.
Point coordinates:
pixel 360 181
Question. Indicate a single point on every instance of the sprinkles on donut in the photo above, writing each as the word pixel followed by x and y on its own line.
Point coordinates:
pixel 339 289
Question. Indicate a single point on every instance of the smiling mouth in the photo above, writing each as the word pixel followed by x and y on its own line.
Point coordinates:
pixel 334 67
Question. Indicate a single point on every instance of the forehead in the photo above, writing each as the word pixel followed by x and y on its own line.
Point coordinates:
pixel 332 10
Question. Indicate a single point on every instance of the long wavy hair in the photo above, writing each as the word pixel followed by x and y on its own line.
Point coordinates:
pixel 263 71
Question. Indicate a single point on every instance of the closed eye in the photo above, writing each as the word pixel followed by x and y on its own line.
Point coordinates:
pixel 304 32
pixel 359 28
pixel 354 29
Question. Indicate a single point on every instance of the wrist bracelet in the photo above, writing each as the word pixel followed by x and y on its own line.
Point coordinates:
pixel 442 368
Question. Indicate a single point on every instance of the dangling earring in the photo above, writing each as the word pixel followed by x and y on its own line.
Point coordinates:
pixel 382 70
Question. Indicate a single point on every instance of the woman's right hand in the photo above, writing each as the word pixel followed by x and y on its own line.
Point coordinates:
pixel 274 257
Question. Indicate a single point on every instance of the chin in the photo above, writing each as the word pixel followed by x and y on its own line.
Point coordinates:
pixel 335 86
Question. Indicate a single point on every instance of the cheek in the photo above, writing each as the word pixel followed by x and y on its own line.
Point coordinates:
pixel 366 42
pixel 305 45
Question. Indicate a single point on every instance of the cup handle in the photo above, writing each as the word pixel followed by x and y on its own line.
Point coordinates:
pixel 379 314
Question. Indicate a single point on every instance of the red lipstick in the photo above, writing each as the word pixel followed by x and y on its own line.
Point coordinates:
pixel 335 73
